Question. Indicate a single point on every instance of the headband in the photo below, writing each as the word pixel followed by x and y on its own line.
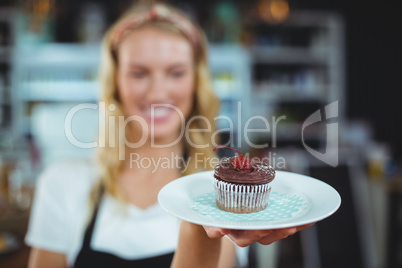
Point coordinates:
pixel 159 12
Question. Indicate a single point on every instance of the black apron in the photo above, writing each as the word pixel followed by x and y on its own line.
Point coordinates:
pixel 88 257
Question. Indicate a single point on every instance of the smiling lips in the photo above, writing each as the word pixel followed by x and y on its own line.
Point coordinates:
pixel 158 113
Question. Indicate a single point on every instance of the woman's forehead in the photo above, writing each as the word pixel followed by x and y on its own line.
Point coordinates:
pixel 149 46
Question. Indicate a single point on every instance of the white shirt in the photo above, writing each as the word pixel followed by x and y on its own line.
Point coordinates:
pixel 61 213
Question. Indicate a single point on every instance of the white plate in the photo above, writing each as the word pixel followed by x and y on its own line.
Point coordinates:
pixel 295 200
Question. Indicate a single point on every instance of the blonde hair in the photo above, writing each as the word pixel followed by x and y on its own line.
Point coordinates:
pixel 205 104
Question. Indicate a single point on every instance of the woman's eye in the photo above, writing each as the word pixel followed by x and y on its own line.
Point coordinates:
pixel 137 74
pixel 178 74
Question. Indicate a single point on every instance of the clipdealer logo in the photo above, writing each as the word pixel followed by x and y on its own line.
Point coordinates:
pixel 330 156
pixel 330 111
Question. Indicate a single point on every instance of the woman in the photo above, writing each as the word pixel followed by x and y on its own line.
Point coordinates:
pixel 154 79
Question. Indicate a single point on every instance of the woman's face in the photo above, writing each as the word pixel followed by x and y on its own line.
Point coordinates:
pixel 155 77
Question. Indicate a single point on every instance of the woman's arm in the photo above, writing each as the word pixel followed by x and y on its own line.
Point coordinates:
pixel 228 255
pixel 195 249
pixel 40 258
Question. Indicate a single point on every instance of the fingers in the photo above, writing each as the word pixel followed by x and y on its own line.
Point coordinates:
pixel 215 232
pixel 245 238
pixel 301 227
pixel 279 234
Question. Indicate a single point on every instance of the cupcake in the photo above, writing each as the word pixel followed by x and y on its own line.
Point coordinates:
pixel 242 185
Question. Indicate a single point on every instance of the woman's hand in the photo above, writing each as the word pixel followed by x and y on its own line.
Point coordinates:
pixel 244 238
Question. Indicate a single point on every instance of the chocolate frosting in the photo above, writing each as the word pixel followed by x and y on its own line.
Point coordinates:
pixel 260 173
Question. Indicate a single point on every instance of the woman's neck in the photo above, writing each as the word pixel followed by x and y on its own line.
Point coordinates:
pixel 146 170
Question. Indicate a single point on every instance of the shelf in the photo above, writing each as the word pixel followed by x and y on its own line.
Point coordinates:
pixel 230 75
pixel 57 73
pixel 297 70
pixel 60 91
pixel 288 131
pixel 288 55
pixel 289 92
pixel 61 55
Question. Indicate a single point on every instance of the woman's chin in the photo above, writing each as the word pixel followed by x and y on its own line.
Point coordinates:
pixel 164 137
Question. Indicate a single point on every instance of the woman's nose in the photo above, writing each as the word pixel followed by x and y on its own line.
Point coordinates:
pixel 157 90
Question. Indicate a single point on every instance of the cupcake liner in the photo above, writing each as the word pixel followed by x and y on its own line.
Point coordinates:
pixel 241 198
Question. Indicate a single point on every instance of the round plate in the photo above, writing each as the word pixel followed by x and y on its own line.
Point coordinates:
pixel 295 200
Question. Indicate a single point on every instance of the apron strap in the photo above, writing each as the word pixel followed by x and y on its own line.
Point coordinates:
pixel 91 225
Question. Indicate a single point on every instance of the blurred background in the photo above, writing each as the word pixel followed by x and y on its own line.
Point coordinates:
pixel 268 58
